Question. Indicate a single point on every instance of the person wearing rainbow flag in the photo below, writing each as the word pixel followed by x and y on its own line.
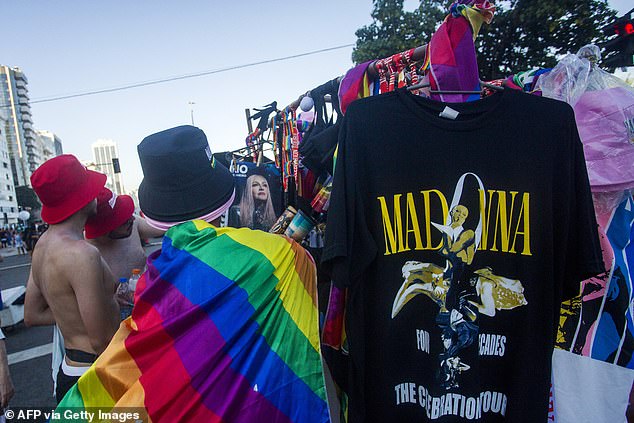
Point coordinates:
pixel 225 320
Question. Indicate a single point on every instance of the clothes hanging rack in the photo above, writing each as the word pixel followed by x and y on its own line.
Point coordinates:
pixel 419 54
pixel 295 104
pixel 482 84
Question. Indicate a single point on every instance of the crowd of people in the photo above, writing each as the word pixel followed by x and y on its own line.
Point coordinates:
pixel 100 237
pixel 22 240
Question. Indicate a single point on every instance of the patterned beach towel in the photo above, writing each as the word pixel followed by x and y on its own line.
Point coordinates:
pixel 224 328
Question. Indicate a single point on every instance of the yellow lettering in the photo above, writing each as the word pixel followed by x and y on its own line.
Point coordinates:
pixel 485 223
pixel 412 217
pixel 504 220
pixel 445 213
pixel 484 219
pixel 524 216
pixel 392 234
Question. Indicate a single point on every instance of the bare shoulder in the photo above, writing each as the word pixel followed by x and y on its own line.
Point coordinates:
pixel 64 252
pixel 79 249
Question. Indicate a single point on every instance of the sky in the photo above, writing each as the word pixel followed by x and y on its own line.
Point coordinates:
pixel 75 46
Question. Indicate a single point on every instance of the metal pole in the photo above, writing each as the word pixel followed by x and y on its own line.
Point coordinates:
pixel 191 109
pixel 249 124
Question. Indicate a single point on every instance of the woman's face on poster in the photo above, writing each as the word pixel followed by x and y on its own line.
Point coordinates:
pixel 260 188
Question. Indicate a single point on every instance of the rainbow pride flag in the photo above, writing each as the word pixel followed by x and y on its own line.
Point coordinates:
pixel 224 329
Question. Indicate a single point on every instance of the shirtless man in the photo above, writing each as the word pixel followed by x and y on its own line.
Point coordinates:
pixel 117 234
pixel 70 284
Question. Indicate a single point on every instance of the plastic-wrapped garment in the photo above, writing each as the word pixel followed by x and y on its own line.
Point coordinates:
pixel 604 110
pixel 605 119
pixel 567 81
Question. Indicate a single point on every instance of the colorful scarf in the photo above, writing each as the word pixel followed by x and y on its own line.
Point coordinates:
pixel 224 328
pixel 451 59
pixel 354 85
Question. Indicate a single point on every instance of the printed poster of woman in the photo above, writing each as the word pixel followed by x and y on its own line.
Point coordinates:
pixel 258 198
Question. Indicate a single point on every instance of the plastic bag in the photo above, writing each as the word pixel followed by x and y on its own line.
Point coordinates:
pixel 567 81
pixel 604 111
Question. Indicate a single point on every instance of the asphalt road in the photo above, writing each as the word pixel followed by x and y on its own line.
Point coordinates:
pixel 30 366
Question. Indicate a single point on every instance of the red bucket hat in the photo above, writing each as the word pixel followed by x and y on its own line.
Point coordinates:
pixel 112 211
pixel 64 186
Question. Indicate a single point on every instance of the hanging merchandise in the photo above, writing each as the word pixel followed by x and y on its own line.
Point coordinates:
pixel 255 140
pixel 593 370
pixel 593 365
pixel 319 143
pixel 252 141
pixel 527 81
pixel 451 60
pixel 258 200
pixel 283 142
pixel 355 85
pixel 455 253
pixel 282 222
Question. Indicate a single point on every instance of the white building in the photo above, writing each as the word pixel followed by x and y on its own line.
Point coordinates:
pixel 8 199
pixel 103 151
pixel 18 129
pixel 49 145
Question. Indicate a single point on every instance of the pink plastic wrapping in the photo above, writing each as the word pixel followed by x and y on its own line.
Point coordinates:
pixel 604 110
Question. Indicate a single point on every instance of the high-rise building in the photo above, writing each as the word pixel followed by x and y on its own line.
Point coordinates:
pixel 103 152
pixel 8 199
pixel 49 145
pixel 19 132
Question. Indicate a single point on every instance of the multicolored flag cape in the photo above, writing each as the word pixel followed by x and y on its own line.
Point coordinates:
pixel 224 329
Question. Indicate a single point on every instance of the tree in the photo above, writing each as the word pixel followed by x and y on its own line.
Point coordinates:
pixel 524 34
pixel 529 34
pixel 393 30
pixel 26 198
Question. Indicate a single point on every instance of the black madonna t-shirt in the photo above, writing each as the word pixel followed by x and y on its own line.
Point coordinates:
pixel 458 239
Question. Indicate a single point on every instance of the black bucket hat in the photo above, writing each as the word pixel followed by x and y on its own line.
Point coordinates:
pixel 181 180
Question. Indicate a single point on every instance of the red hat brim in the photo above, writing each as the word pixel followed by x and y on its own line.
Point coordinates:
pixel 76 200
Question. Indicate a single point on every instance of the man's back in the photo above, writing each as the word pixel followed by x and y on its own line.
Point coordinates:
pixel 78 287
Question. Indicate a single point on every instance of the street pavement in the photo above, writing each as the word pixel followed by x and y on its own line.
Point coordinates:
pixel 29 362
pixel 29 349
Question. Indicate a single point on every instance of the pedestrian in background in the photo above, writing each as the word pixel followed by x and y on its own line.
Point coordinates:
pixel 19 244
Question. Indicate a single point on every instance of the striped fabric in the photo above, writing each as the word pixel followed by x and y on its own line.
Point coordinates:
pixel 224 329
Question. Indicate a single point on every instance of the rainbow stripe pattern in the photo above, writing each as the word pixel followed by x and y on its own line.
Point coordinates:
pixel 224 329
